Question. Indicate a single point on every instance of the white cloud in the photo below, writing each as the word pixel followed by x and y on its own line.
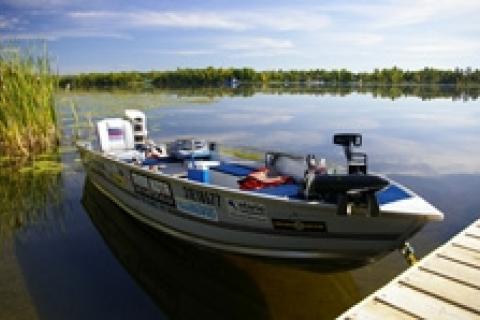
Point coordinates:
pixel 84 15
pixel 288 19
pixel 415 12
pixel 237 46
pixel 38 4
pixel 57 34
pixel 397 13
pixel 280 19
pixel 357 38
pixel 193 52
pixel 444 46
pixel 182 52
pixel 257 44
pixel 185 20
pixel 159 19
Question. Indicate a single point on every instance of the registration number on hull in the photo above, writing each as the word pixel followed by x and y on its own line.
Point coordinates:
pixel 197 209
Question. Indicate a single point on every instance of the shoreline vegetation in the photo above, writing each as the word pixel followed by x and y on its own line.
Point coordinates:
pixel 232 77
pixel 27 108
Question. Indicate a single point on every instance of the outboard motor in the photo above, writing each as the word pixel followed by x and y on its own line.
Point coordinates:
pixel 357 187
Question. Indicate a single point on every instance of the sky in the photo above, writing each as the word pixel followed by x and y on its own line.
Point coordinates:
pixel 107 35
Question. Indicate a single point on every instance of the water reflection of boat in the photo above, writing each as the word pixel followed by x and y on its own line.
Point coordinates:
pixel 189 282
pixel 286 208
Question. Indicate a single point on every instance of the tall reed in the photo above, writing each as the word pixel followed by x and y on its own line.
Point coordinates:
pixel 27 110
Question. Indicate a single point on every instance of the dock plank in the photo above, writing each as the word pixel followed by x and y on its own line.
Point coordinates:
pixel 444 289
pixel 469 242
pixel 454 270
pixel 377 310
pixel 443 285
pixel 420 304
pixel 473 235
pixel 461 254
pixel 474 229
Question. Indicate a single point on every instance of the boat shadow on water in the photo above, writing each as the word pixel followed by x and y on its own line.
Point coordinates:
pixel 187 281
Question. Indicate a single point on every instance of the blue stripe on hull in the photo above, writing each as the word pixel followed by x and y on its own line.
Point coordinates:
pixel 392 193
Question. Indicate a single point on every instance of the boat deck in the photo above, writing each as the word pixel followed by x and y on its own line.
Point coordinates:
pixel 443 285
pixel 225 174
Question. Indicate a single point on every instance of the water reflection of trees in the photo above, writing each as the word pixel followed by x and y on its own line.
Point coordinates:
pixel 425 92
pixel 28 191
pixel 190 282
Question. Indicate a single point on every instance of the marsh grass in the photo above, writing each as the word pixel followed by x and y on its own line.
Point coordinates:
pixel 27 109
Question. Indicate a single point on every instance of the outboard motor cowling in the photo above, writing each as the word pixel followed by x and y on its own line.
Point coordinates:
pixel 344 183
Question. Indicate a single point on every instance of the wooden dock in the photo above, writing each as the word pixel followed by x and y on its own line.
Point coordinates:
pixel 443 285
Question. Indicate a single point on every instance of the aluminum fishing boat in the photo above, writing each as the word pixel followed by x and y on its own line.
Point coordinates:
pixel 286 207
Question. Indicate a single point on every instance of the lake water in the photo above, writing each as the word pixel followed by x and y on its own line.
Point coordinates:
pixel 69 253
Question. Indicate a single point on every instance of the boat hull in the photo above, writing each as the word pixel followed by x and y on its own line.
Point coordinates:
pixel 243 222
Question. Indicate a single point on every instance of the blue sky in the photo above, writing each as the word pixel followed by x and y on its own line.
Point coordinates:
pixel 108 35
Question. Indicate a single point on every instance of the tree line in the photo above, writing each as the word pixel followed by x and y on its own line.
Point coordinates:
pixel 188 77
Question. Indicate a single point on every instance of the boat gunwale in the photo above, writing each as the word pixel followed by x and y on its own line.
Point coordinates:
pixel 209 186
